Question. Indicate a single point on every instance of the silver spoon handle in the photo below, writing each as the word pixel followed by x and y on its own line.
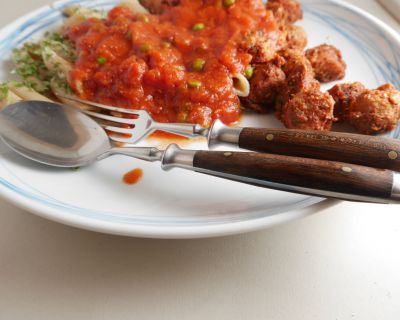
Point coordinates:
pixel 145 153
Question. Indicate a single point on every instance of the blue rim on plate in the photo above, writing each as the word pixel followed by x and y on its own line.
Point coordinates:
pixel 385 70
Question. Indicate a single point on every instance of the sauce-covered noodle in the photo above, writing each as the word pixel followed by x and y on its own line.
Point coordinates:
pixel 184 65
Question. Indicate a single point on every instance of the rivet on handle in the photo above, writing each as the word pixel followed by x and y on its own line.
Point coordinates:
pixel 393 155
pixel 270 137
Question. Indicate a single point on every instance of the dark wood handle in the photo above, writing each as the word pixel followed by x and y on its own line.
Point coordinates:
pixel 323 175
pixel 377 152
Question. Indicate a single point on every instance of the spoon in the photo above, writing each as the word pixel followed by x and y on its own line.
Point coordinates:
pixel 58 135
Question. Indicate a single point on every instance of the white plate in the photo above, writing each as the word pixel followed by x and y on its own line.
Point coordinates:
pixel 181 204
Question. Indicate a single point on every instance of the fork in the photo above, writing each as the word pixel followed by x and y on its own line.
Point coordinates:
pixel 377 152
pixel 142 125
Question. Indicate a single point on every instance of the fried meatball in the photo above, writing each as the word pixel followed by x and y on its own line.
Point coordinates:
pixel 292 37
pixel 299 76
pixel 344 95
pixel 286 11
pixel 296 37
pixel 265 85
pixel 386 87
pixel 158 6
pixel 327 62
pixel 375 111
pixel 260 46
pixel 298 69
pixel 308 110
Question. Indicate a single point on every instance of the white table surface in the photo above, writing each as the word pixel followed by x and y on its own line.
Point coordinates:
pixel 341 263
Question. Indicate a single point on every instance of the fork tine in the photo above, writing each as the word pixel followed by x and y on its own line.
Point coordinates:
pixel 121 140
pixel 118 130
pixel 110 118
pixel 102 106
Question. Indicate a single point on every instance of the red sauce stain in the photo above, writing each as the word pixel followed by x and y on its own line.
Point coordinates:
pixel 167 136
pixel 133 177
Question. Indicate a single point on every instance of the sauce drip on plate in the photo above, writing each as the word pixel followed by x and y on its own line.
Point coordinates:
pixel 178 65
pixel 133 177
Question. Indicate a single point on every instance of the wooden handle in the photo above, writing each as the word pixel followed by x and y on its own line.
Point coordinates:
pixel 369 151
pixel 329 176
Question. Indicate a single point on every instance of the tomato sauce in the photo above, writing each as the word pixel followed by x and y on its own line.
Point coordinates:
pixel 133 177
pixel 168 136
pixel 177 65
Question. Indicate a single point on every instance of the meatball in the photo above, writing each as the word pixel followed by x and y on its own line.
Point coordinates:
pixel 344 95
pixel 308 110
pixel 159 6
pixel 301 104
pixel 259 46
pixel 298 69
pixel 286 11
pixel 327 62
pixel 299 76
pixel 265 85
pixel 292 37
pixel 375 111
pixel 296 37
pixel 387 87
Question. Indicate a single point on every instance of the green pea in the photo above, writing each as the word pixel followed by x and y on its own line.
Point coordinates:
pixel 145 48
pixel 198 27
pixel 228 3
pixel 144 19
pixel 195 84
pixel 248 72
pixel 198 64
pixel 101 60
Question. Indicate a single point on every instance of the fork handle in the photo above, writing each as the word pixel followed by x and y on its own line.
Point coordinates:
pixel 377 152
pixel 300 175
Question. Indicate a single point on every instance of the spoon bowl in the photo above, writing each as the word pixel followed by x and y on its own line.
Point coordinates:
pixel 52 134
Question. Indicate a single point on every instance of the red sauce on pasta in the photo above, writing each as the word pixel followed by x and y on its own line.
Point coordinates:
pixel 178 65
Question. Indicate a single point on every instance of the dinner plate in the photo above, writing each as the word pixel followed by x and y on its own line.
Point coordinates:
pixel 182 204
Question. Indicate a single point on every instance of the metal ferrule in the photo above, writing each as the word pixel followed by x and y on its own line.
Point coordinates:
pixel 184 129
pixel 222 135
pixel 175 157
pixel 396 187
